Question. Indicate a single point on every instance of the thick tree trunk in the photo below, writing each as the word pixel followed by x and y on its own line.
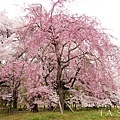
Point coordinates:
pixel 15 98
pixel 61 98
pixel 60 89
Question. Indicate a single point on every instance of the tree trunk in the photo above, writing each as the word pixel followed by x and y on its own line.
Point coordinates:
pixel 61 98
pixel 35 107
pixel 15 97
pixel 60 89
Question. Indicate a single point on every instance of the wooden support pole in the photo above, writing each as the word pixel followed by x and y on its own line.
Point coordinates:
pixel 69 107
pixel 61 110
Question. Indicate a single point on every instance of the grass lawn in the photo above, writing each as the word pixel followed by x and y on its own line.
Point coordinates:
pixel 91 114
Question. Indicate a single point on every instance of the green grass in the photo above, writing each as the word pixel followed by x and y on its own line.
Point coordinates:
pixel 77 115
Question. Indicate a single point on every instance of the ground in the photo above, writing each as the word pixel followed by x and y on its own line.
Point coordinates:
pixel 90 114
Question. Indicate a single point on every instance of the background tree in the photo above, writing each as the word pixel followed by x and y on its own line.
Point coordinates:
pixel 12 73
pixel 10 50
pixel 9 43
pixel 70 49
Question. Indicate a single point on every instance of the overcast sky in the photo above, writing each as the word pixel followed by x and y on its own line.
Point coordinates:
pixel 107 11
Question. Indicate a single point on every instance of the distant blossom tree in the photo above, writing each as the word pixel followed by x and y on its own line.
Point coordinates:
pixel 69 51
pixel 9 43
pixel 10 50
pixel 12 74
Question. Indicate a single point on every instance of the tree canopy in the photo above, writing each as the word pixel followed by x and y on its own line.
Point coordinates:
pixel 70 50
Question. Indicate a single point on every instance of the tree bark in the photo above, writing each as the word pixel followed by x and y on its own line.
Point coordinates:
pixel 61 98
pixel 15 98
pixel 60 88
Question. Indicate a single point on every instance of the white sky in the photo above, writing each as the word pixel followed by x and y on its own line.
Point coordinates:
pixel 105 10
